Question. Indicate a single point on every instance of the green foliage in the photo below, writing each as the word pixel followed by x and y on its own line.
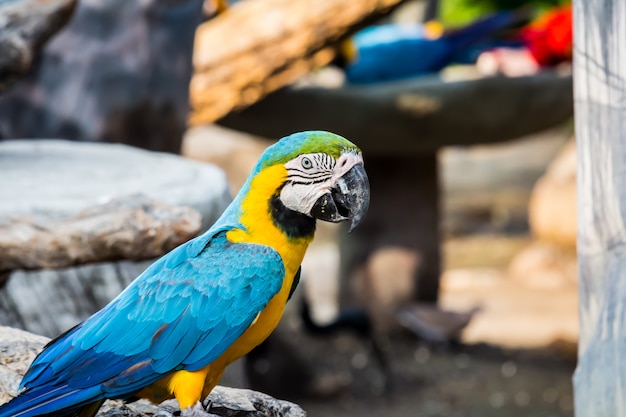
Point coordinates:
pixel 460 12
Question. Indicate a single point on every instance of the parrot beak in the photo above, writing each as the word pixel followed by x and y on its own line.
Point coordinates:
pixel 348 199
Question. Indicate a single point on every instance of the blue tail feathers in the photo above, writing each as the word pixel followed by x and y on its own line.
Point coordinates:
pixel 58 401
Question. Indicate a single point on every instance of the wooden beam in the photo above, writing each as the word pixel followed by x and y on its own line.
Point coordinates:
pixel 258 46
pixel 600 114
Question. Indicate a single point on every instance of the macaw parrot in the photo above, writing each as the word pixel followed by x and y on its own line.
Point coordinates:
pixel 172 331
pixel 397 51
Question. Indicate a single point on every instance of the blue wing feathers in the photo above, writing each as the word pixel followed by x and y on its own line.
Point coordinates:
pixel 183 312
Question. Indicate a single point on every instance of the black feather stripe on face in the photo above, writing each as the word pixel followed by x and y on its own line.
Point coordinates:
pixel 294 224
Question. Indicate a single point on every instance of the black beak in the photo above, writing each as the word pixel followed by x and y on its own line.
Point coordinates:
pixel 348 199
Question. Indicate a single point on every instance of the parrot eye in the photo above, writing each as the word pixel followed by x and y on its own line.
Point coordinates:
pixel 306 163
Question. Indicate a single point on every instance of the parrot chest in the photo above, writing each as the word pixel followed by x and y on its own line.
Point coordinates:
pixel 292 254
pixel 263 325
pixel 263 227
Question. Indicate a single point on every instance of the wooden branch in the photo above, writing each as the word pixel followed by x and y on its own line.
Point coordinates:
pixel 259 46
pixel 133 227
pixel 25 25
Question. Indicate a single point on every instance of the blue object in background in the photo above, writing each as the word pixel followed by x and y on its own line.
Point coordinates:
pixel 393 51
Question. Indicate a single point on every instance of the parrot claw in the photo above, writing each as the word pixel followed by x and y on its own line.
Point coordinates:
pixel 197 410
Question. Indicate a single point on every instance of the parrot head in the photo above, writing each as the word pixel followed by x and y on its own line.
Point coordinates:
pixel 322 177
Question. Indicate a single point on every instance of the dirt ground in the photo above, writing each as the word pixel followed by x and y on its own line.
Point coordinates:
pixel 459 381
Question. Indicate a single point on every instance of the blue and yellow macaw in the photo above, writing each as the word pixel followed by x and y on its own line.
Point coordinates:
pixel 208 302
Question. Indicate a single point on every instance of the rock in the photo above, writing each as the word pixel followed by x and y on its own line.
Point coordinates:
pixel 133 227
pixel 19 348
pixel 418 115
pixel 225 402
pixel 50 301
pixel 118 72
pixel 60 178
pixel 25 25
pixel 56 180
pixel 552 209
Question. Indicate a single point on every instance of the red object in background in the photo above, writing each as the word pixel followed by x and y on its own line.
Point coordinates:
pixel 550 37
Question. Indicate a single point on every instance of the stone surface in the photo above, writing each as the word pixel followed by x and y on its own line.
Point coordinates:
pixel 60 178
pixel 225 402
pixel 552 208
pixel 19 348
pixel 118 72
pixel 50 301
pixel 25 25
pixel 131 227
pixel 418 115
pixel 57 179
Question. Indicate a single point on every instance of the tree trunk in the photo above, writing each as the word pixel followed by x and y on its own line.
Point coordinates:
pixel 600 68
pixel 258 46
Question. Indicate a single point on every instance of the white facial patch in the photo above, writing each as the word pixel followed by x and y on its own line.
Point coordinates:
pixel 310 176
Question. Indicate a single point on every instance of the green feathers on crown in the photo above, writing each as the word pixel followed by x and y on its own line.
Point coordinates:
pixel 299 143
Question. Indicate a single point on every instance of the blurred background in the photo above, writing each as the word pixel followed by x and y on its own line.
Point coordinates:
pixel 126 127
